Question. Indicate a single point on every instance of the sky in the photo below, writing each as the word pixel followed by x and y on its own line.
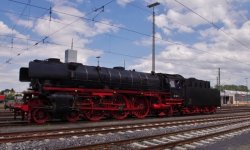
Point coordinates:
pixel 193 37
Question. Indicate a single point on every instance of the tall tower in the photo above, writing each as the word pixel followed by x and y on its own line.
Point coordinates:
pixel 70 54
pixel 153 35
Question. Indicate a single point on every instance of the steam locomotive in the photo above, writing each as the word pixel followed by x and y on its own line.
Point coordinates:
pixel 73 91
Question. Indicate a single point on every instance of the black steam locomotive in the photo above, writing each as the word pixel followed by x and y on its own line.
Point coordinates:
pixel 73 91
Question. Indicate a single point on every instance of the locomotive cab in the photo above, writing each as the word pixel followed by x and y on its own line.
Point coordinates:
pixel 174 83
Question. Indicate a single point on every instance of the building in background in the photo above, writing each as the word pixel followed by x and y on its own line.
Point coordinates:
pixel 234 97
pixel 70 56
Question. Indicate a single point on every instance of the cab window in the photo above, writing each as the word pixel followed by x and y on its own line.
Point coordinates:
pixel 172 83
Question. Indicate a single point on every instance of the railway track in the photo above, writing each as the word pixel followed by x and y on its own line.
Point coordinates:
pixel 102 130
pixel 6 113
pixel 12 123
pixel 233 110
pixel 189 142
pixel 183 139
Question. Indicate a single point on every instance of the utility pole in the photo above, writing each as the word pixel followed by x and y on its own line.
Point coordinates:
pixel 219 79
pixel 98 57
pixel 72 44
pixel 124 63
pixel 153 38
pixel 247 88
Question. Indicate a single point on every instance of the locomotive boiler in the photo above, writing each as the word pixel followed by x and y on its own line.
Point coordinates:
pixel 72 91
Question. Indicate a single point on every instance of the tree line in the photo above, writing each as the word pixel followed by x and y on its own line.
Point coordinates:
pixel 9 94
pixel 233 87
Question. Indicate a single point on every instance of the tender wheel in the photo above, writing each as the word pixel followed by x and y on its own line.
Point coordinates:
pixel 212 110
pixel 73 116
pixel 206 110
pixel 142 107
pixel 40 116
pixel 120 103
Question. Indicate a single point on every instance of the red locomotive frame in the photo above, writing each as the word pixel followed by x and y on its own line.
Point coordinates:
pixel 96 104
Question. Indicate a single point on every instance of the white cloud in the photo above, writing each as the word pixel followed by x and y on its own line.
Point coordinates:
pixel 181 19
pixel 60 30
pixel 124 2
pixel 25 23
pixel 234 39
pixel 148 40
pixel 22 22
pixel 227 48
pixel 7 49
pixel 79 29
pixel 206 48
pixel 5 30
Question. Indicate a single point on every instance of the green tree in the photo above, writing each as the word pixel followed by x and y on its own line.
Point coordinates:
pixel 233 87
pixel 9 94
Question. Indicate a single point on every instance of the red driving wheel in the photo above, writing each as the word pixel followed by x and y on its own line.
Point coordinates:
pixel 93 114
pixel 40 116
pixel 120 103
pixel 142 107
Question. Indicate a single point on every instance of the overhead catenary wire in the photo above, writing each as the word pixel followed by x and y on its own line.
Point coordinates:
pixel 105 51
pixel 64 45
pixel 214 25
pixel 8 61
pixel 56 21
pixel 46 37
pixel 132 56
pixel 110 52
pixel 131 30
pixel 16 22
pixel 41 17
pixel 120 54
pixel 138 57
pixel 88 19
pixel 217 27
pixel 21 14
pixel 137 7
